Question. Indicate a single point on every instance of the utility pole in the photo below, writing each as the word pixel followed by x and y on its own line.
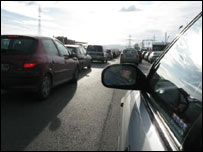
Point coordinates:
pixel 166 37
pixel 154 38
pixel 130 39
pixel 39 23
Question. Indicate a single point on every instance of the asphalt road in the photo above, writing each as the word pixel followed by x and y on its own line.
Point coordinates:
pixel 77 117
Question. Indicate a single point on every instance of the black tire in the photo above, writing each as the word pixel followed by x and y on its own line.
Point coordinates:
pixel 75 76
pixel 90 65
pixel 106 61
pixel 45 87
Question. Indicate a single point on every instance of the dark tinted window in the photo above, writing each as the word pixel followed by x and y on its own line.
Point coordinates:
pixel 62 49
pixel 177 83
pixel 50 47
pixel 73 50
pixel 82 51
pixel 18 45
pixel 130 52
pixel 94 48
pixel 158 47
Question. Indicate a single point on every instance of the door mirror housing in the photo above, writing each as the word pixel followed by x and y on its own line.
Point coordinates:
pixel 124 76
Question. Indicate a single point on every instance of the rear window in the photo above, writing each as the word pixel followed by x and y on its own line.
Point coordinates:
pixel 94 48
pixel 17 45
pixel 158 47
pixel 130 52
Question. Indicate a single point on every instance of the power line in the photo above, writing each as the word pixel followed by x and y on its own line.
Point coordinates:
pixel 39 23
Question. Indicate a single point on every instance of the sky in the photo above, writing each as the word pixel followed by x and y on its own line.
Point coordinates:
pixel 99 22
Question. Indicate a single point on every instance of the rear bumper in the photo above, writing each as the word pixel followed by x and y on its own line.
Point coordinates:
pixel 130 61
pixel 21 83
pixel 99 58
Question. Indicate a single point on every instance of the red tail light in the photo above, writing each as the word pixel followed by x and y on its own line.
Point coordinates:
pixel 13 36
pixel 29 65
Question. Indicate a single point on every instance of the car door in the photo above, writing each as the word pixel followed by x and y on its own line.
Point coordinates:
pixel 81 57
pixel 70 64
pixel 57 63
pixel 67 70
pixel 86 57
pixel 169 117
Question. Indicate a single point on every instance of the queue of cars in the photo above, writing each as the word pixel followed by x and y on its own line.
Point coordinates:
pixel 101 53
pixel 37 64
pixel 163 110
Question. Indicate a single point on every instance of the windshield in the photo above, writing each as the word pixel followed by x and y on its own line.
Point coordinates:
pixel 91 48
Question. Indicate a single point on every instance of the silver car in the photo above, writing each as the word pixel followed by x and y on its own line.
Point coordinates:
pixel 163 110
pixel 130 56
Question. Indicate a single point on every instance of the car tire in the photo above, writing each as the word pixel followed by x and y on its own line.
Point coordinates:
pixel 45 87
pixel 89 66
pixel 75 76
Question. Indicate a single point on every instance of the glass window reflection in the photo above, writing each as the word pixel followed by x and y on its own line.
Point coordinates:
pixel 177 83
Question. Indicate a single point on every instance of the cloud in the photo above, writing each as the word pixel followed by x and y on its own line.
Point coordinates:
pixel 28 2
pixel 131 8
pixel 100 22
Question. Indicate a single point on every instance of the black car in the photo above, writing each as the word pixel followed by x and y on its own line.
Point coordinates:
pixel 79 52
pixel 163 109
pixel 98 53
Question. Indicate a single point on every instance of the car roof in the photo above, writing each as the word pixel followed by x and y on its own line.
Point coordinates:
pixel 68 45
pixel 30 36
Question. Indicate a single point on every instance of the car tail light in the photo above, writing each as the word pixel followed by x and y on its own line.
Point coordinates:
pixel 13 36
pixel 29 65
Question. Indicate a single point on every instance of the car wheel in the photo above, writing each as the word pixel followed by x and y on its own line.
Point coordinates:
pixel 89 66
pixel 45 87
pixel 75 76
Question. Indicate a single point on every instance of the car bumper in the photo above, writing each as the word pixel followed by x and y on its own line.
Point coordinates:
pixel 20 83
pixel 130 61
pixel 98 58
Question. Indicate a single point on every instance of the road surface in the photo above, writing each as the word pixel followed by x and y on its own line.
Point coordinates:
pixel 77 117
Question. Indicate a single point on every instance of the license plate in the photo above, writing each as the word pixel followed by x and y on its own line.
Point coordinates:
pixel 4 67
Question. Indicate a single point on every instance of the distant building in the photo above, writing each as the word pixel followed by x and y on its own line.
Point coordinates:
pixel 65 40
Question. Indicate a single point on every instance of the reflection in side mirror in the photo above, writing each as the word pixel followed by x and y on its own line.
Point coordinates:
pixel 123 76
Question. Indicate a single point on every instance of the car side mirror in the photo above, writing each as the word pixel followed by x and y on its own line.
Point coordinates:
pixel 124 76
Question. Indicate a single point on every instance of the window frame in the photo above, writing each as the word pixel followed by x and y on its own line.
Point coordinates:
pixel 153 109
pixel 58 53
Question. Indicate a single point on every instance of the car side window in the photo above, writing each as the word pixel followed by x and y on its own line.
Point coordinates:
pixel 50 47
pixel 62 49
pixel 80 51
pixel 177 83
pixel 83 51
